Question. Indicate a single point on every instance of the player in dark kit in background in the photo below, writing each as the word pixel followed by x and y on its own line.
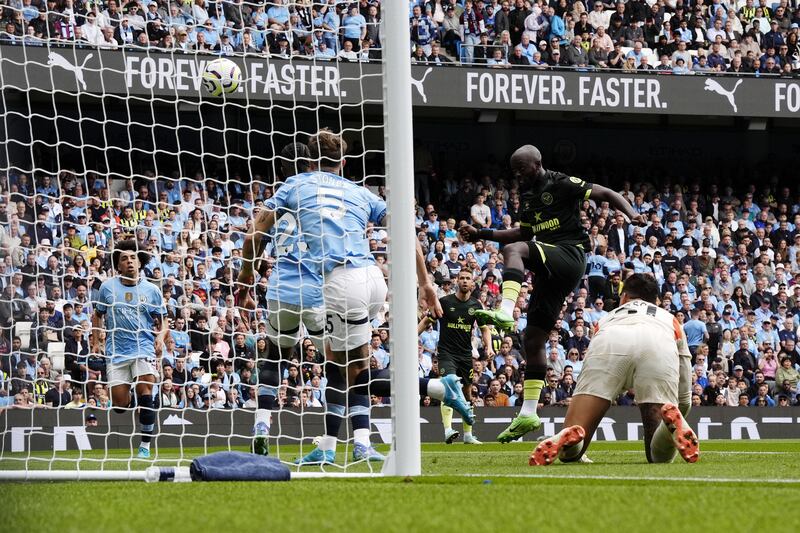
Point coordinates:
pixel 454 349
pixel 557 257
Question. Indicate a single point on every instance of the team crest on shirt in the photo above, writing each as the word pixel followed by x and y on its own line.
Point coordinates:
pixel 470 311
pixel 142 298
pixel 129 297
pixel 547 198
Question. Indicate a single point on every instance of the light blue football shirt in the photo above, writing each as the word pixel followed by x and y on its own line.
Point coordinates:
pixel 294 278
pixel 332 215
pixel 130 315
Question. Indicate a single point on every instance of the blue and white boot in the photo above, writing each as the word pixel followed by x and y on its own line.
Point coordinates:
pixel 366 453
pixel 454 398
pixel 317 457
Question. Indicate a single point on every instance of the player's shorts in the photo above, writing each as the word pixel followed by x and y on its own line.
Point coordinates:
pixel 353 296
pixel 624 357
pixel 459 365
pixel 283 324
pixel 127 372
pixel 558 270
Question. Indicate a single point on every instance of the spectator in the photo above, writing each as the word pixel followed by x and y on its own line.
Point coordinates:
pixel 483 51
pixel 423 29
pixel 472 26
pixel 500 398
pixel 645 64
pixel 347 53
pixel 762 398
pixel 436 57
pixel 497 60
pixel 576 55
pixel 77 401
pixel 518 58
pixel 787 373
pixel 451 28
pixel 480 213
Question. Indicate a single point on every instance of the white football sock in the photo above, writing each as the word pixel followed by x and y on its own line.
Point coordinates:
pixel 326 443
pixel 361 436
pixel 264 416
pixel 662 447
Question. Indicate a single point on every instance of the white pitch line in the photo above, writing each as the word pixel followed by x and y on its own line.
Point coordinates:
pixel 598 452
pixel 635 478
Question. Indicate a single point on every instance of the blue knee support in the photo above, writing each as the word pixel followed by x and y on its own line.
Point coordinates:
pixel 359 410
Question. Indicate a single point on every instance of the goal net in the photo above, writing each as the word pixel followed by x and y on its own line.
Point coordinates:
pixel 109 134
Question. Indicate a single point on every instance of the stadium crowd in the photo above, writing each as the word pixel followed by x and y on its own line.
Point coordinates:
pixel 728 264
pixel 669 36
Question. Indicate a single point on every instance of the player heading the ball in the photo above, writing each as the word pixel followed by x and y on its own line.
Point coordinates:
pixel 332 214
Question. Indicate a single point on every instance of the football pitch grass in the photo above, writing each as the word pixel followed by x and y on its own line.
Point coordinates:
pixel 736 486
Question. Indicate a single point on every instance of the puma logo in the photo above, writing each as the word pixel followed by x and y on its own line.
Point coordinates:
pixel 58 60
pixel 418 85
pixel 714 86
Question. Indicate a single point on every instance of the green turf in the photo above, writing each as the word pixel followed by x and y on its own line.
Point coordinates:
pixel 464 489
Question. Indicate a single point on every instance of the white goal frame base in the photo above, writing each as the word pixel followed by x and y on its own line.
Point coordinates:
pixel 181 475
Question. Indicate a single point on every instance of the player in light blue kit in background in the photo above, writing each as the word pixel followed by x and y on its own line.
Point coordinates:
pixel 132 311
pixel 597 272
pixel 332 214
pixel 294 295
pixel 696 332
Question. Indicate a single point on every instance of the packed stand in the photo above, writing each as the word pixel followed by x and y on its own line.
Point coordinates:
pixel 57 234
pixel 278 28
pixel 665 36
pixel 728 265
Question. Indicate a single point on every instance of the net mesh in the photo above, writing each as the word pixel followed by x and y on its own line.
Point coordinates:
pixel 182 173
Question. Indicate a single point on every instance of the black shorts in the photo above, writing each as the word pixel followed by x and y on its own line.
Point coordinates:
pixel 459 365
pixel 558 270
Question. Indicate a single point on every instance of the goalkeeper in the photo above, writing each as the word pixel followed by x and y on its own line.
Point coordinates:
pixel 131 310
pixel 637 345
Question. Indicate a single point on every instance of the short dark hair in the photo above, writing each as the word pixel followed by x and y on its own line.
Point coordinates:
pixel 129 245
pixel 294 159
pixel 641 286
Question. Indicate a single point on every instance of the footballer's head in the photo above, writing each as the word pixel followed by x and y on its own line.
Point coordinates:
pixel 327 149
pixel 526 162
pixel 465 281
pixel 128 257
pixel 641 287
pixel 294 159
